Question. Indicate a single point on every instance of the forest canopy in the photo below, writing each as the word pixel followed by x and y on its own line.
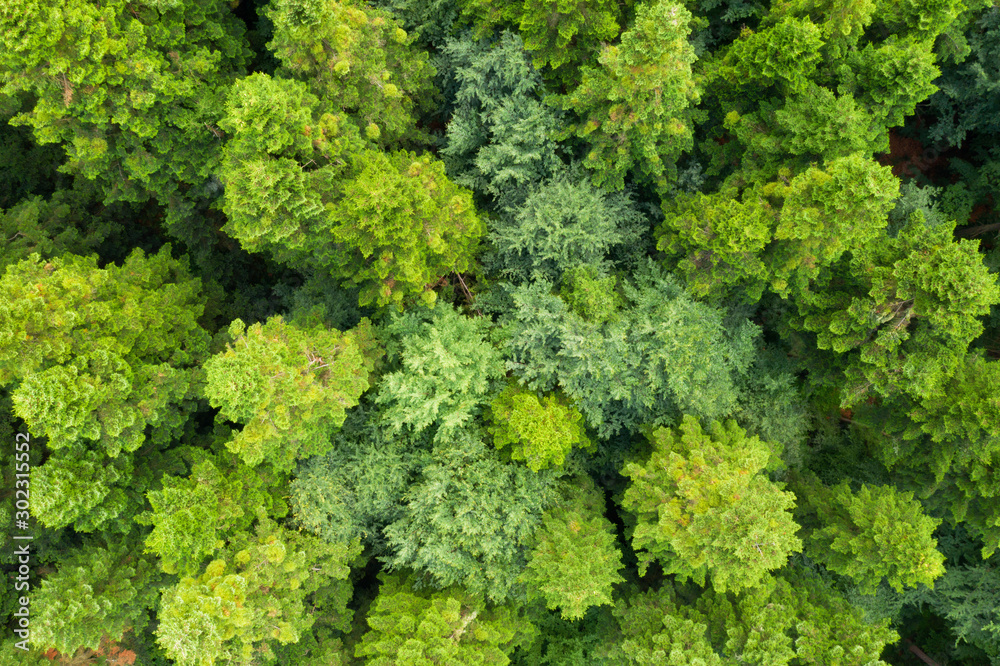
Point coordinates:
pixel 529 332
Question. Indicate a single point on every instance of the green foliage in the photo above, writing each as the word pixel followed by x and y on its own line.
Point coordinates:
pixel 567 32
pixel 717 241
pixel 443 368
pixel 967 101
pixel 306 189
pixel 403 224
pixel 795 621
pixel 100 353
pixel 357 488
pixel 825 212
pixel 130 89
pixel 783 233
pixel 877 533
pixel 575 560
pixel 704 507
pixel 908 304
pixel 589 294
pixel 663 355
pixel 102 589
pixel 357 61
pixel 193 517
pixel 254 593
pixel 291 387
pixel 634 107
pixel 498 141
pixel 423 627
pixel 539 432
pixel 467 519
pixel 60 225
pixel 561 225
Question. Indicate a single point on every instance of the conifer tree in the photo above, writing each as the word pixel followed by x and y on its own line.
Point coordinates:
pixel 634 106
pixel 423 627
pixel 357 60
pixel 100 357
pixel 703 507
pixel 193 517
pixel 499 139
pixel 575 561
pixel 102 589
pixel 303 185
pixel 255 593
pixel 469 517
pixel 441 369
pixel 290 386
pixel 874 534
pixel 130 89
pixel 539 432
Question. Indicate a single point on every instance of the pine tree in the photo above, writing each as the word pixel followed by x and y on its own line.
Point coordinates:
pixel 102 589
pixel 468 518
pixel 193 517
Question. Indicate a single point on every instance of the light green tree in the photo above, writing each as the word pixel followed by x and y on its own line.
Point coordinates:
pixel 255 592
pixel 424 627
pixel 130 89
pixel 358 61
pixel 539 432
pixel 290 386
pixel 635 106
pixel 575 560
pixel 702 506
pixel 874 534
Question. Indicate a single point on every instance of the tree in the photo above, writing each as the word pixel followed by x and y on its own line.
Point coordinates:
pixel 663 354
pixel 793 620
pixel 193 517
pixel 575 561
pixel 306 189
pixel 100 353
pixel 102 589
pixel 716 242
pixel 702 506
pixel 539 432
pixel 357 488
pixel 877 533
pixel 441 369
pixel 100 356
pixel 562 224
pixel 130 89
pixel 402 225
pixel 499 139
pixel 783 232
pixel 291 387
pixel 356 60
pixel 567 32
pixel 634 107
pixel 908 304
pixel 425 627
pixel 254 593
pixel 468 518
